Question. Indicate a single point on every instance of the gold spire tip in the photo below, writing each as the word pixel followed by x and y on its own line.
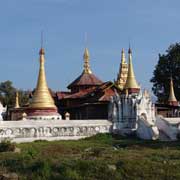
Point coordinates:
pixel 42 51
pixel 87 69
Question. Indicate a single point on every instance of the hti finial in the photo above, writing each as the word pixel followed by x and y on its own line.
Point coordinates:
pixel 42 51
pixel 129 51
pixel 123 59
pixel 41 39
pixel 85 39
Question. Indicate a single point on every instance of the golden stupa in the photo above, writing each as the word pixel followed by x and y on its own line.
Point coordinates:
pixel 42 97
pixel 172 99
pixel 17 100
pixel 131 83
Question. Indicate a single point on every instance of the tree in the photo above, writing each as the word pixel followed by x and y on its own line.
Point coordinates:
pixel 168 66
pixel 7 94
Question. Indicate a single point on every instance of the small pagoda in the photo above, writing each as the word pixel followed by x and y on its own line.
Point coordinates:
pixel 172 98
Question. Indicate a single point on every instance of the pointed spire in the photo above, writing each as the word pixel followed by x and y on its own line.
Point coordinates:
pixel 123 69
pixel 123 59
pixel 131 83
pixel 17 100
pixel 42 97
pixel 87 69
pixel 172 99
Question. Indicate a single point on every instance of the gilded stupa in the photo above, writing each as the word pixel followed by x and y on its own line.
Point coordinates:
pixel 123 72
pixel 17 100
pixel 131 84
pixel 42 104
pixel 172 99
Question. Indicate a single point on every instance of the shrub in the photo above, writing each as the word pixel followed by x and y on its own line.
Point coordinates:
pixel 6 145
pixel 42 169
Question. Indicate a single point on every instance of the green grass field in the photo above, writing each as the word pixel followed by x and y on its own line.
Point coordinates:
pixel 100 157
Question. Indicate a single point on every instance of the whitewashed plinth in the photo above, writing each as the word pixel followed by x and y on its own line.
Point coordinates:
pixel 31 130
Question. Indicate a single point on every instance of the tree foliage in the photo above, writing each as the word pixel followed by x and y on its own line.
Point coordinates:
pixel 168 66
pixel 7 94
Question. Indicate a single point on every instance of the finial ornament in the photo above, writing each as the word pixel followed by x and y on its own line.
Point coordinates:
pixel 41 39
pixel 87 69
pixel 42 51
pixel 129 51
pixel 123 59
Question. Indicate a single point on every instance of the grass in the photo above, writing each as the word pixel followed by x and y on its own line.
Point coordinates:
pixel 100 157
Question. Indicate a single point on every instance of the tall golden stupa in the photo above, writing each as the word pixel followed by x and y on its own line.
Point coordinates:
pixel 42 104
pixel 131 85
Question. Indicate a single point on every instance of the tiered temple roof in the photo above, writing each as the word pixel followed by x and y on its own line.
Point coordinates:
pixel 87 78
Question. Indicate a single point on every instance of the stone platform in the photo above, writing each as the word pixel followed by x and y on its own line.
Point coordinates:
pixel 31 130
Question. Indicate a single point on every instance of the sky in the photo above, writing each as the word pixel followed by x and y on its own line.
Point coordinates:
pixel 149 26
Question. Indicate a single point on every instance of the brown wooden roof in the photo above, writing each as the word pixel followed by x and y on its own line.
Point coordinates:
pixel 105 88
pixel 85 79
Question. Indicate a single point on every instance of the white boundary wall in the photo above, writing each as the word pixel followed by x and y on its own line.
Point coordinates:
pixel 31 130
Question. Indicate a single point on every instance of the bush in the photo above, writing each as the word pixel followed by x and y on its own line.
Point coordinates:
pixel 6 145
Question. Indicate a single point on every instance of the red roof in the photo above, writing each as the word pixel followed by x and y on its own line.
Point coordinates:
pixel 85 79
pixel 104 87
pixel 79 94
pixel 62 94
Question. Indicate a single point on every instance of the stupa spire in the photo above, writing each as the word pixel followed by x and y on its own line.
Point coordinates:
pixel 17 100
pixel 123 59
pixel 123 70
pixel 131 83
pixel 172 99
pixel 87 69
pixel 42 97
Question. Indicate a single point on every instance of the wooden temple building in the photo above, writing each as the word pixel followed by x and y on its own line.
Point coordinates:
pixel 88 97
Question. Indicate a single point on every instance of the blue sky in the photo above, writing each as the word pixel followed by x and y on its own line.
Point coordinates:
pixel 150 26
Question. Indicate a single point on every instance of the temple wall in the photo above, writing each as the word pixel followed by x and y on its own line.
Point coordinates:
pixel 31 130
